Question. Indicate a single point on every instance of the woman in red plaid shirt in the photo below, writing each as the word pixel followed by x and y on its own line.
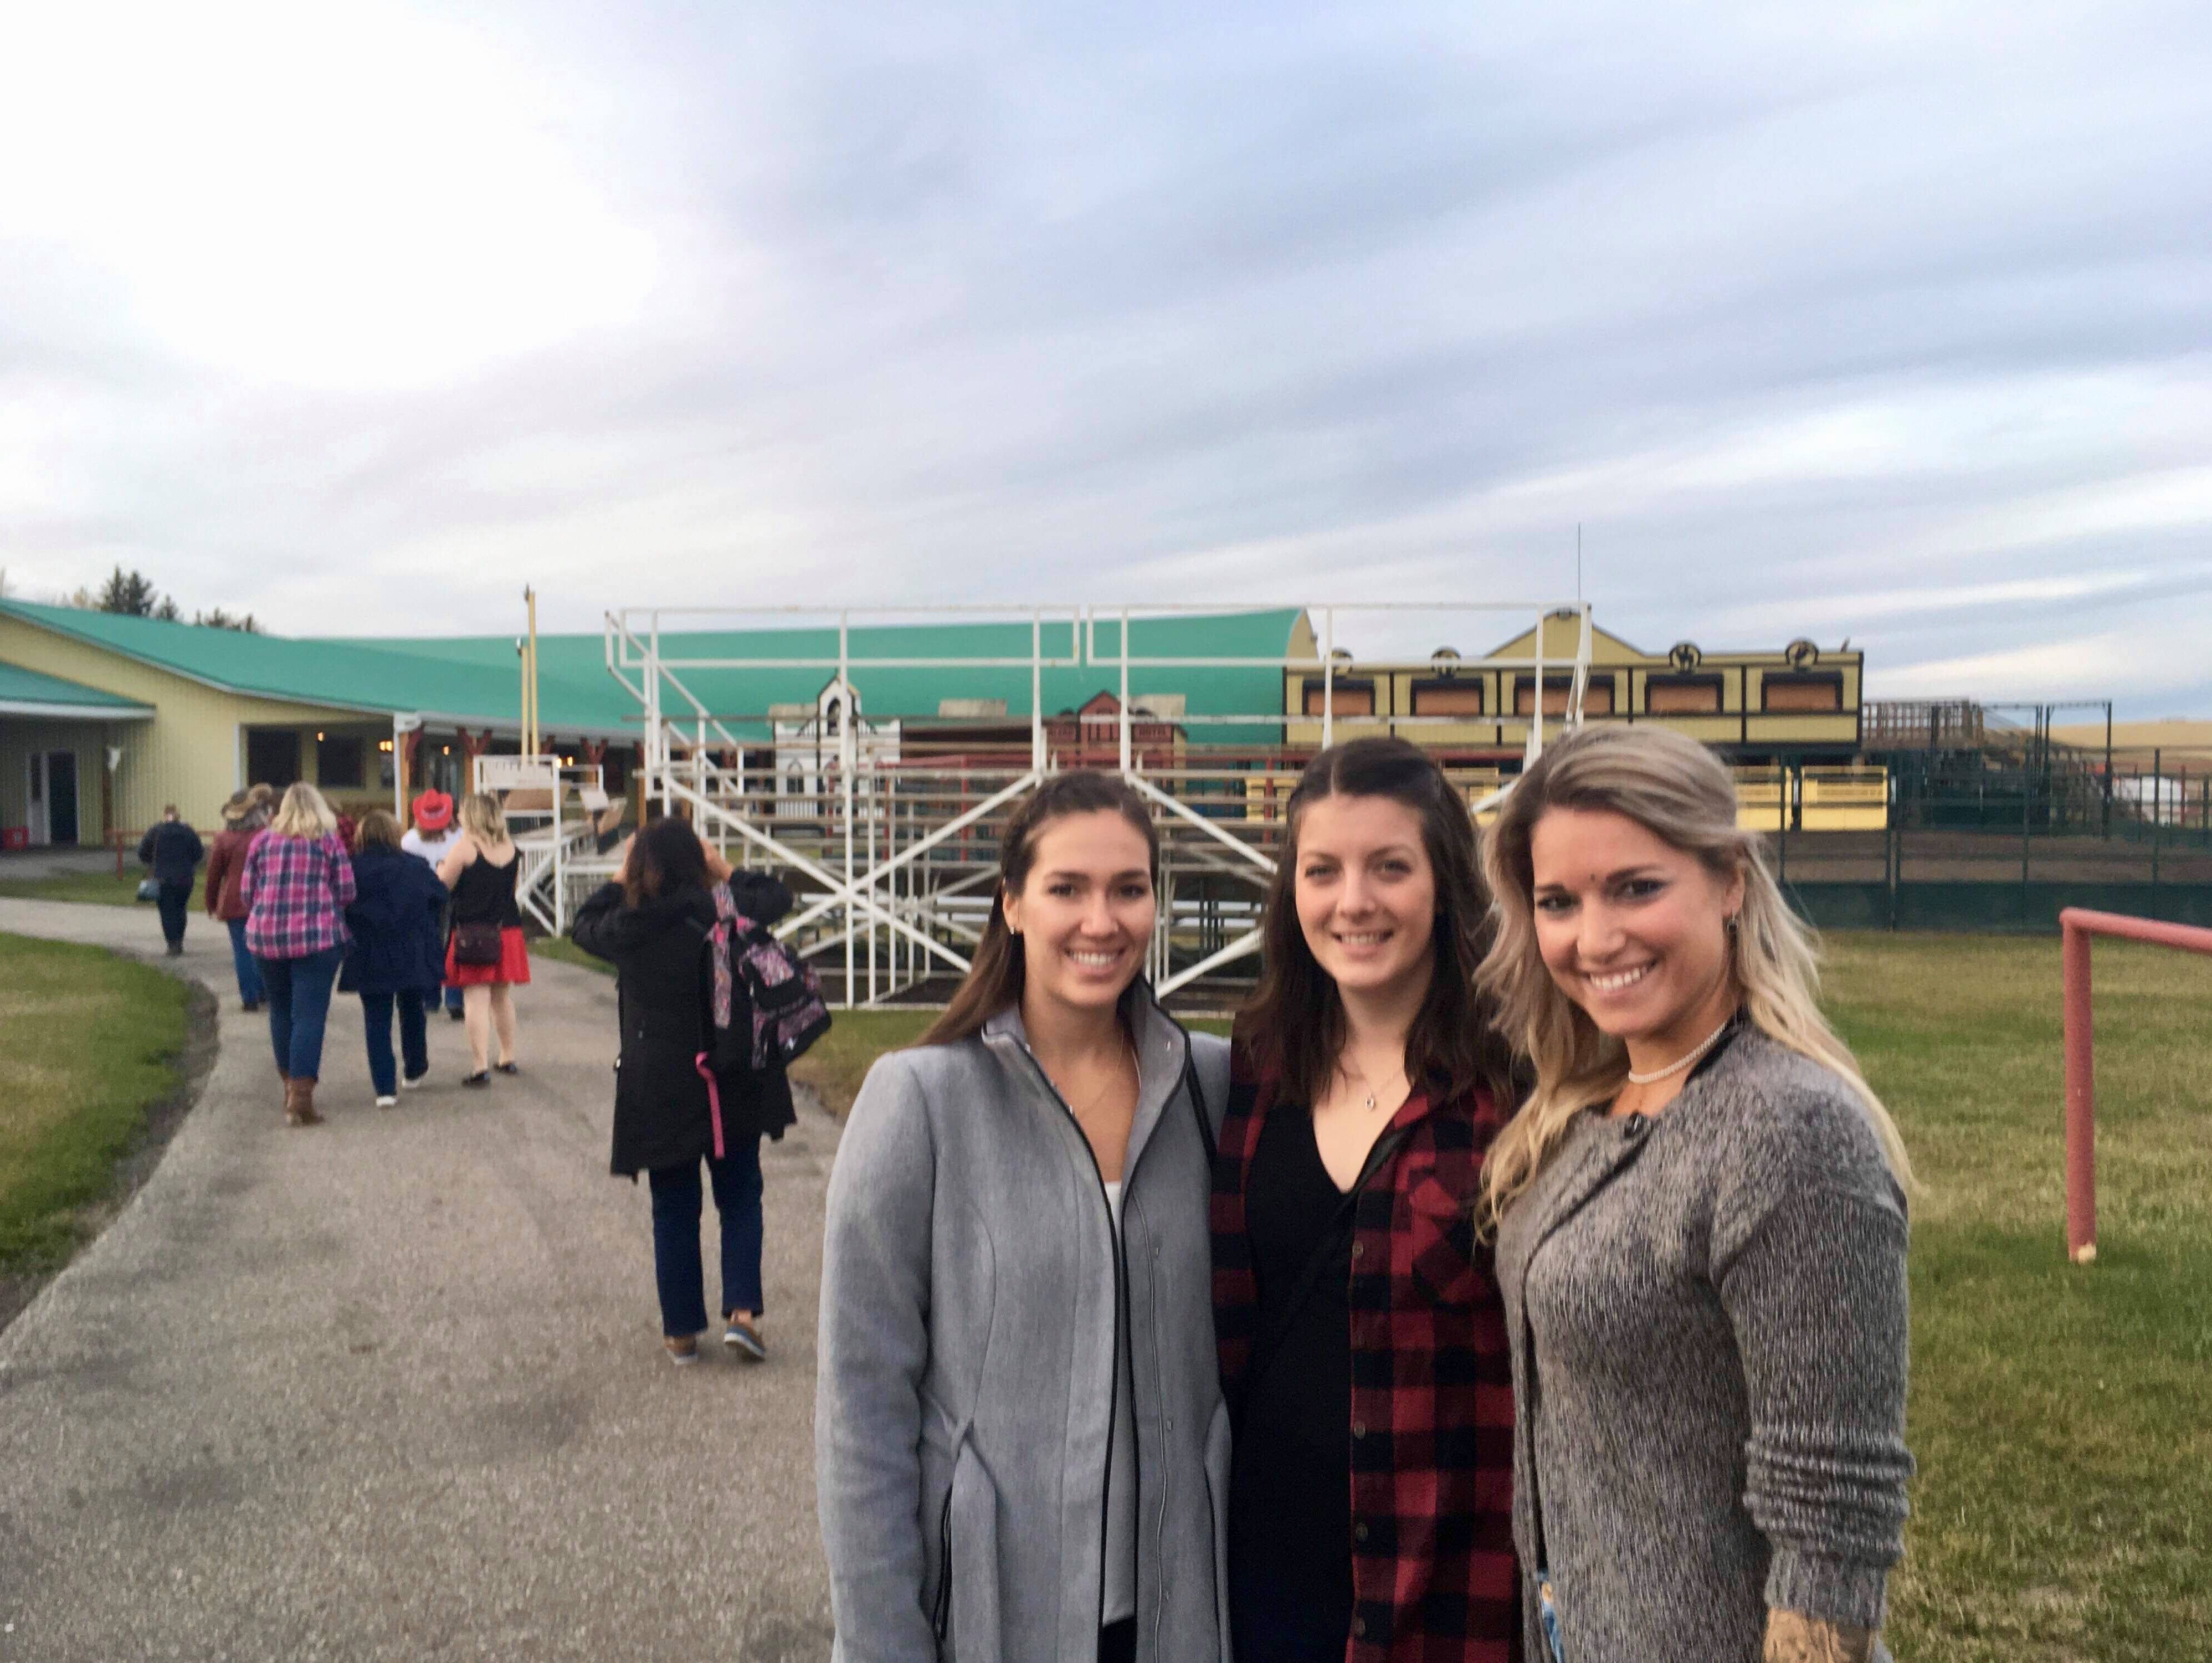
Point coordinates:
pixel 1362 1342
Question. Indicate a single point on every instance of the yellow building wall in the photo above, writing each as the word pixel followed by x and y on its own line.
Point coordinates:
pixel 194 752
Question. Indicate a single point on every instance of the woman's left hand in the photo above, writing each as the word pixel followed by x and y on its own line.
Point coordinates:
pixel 1793 1637
pixel 718 868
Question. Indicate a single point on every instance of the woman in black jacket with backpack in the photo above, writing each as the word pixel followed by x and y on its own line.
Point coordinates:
pixel 683 1085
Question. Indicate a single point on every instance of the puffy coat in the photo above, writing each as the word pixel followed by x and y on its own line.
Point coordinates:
pixel 659 950
pixel 397 909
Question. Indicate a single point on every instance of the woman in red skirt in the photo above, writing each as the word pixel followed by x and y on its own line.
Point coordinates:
pixel 484 956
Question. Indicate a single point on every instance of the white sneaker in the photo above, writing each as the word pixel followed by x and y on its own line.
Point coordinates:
pixel 416 1083
pixel 387 1103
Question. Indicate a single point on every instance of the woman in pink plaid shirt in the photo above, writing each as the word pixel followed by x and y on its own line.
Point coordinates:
pixel 297 884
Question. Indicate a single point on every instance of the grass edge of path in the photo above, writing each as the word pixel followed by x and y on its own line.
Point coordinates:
pixel 124 1151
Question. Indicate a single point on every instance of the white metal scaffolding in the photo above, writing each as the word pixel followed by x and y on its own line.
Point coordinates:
pixel 886 821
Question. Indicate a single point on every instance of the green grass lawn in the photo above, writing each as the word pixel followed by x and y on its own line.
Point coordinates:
pixel 103 887
pixel 2061 1416
pixel 92 1041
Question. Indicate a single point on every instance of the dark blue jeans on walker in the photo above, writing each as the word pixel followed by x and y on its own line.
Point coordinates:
pixel 376 1027
pixel 249 974
pixel 299 1004
pixel 676 1204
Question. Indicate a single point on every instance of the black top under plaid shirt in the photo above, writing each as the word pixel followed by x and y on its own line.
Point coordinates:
pixel 1433 1572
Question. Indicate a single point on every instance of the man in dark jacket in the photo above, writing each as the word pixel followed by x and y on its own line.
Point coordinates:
pixel 172 850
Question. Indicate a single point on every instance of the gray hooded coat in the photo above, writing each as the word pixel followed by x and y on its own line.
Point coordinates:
pixel 971 1293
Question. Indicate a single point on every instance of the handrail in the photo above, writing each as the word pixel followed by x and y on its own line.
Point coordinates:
pixel 2076 925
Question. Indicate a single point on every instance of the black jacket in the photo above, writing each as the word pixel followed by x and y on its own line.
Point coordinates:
pixel 397 920
pixel 172 850
pixel 664 993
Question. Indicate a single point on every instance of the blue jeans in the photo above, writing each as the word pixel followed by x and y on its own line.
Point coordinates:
pixel 676 1207
pixel 376 1027
pixel 250 990
pixel 299 1004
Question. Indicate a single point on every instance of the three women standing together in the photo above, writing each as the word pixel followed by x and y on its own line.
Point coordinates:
pixel 1132 1349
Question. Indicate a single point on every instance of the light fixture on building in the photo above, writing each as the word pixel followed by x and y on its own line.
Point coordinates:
pixel 384 745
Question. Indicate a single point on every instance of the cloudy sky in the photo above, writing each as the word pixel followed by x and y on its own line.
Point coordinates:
pixel 1884 321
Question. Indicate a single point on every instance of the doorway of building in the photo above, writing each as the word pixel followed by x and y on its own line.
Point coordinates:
pixel 50 796
pixel 272 756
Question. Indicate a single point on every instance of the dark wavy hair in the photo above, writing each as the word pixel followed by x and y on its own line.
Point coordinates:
pixel 666 857
pixel 1293 1025
pixel 995 978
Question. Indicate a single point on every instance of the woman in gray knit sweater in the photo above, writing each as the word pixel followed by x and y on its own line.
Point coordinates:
pixel 1701 1234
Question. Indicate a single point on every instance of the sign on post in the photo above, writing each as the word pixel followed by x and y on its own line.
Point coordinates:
pixel 518 773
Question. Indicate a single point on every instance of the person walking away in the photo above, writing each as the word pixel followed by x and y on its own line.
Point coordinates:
pixel 1019 1426
pixel 172 850
pixel 398 953
pixel 1701 1233
pixel 652 924
pixel 429 839
pixel 485 957
pixel 243 818
pixel 1363 1338
pixel 297 884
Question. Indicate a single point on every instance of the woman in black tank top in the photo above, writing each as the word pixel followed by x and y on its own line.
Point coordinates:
pixel 481 869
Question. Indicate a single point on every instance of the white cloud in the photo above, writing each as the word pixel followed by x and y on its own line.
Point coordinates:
pixel 343 196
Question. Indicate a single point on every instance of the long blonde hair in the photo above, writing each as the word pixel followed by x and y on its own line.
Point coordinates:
pixel 482 818
pixel 305 812
pixel 1680 793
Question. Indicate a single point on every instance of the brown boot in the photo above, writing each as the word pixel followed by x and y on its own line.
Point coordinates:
pixel 300 1101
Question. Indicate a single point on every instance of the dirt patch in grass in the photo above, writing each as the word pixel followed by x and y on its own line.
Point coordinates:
pixel 105 1058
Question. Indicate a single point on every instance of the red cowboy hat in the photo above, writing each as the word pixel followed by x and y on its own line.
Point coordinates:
pixel 434 812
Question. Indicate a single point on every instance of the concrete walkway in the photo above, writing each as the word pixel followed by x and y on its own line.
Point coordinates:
pixel 392 1386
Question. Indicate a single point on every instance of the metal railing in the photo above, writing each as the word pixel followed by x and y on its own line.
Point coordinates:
pixel 887 821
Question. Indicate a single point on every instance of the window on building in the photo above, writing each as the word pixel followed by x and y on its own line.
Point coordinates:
pixel 272 756
pixel 1597 696
pixel 1682 695
pixel 1349 697
pixel 1800 691
pixel 339 758
pixel 1447 696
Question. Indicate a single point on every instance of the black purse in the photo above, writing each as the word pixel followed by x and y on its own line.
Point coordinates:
pixel 476 943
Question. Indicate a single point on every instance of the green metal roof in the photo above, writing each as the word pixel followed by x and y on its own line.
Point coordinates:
pixel 20 687
pixel 909 691
pixel 475 678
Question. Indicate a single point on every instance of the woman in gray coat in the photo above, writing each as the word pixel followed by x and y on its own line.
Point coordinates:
pixel 1021 1451
pixel 1701 1234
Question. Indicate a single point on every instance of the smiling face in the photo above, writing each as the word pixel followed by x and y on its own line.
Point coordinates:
pixel 1632 929
pixel 1366 894
pixel 1084 912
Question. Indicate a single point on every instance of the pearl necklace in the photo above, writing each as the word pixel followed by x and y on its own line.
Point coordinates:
pixel 1686 1059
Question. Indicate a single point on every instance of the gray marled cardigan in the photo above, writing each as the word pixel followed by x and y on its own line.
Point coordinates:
pixel 1708 1316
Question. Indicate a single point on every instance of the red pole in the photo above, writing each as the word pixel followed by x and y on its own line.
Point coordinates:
pixel 2081 1097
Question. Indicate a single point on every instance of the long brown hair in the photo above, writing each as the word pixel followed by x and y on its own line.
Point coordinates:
pixel 995 978
pixel 665 858
pixel 1294 1023
pixel 1683 795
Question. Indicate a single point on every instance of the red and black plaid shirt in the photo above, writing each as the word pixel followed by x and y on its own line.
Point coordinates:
pixel 1433 1575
